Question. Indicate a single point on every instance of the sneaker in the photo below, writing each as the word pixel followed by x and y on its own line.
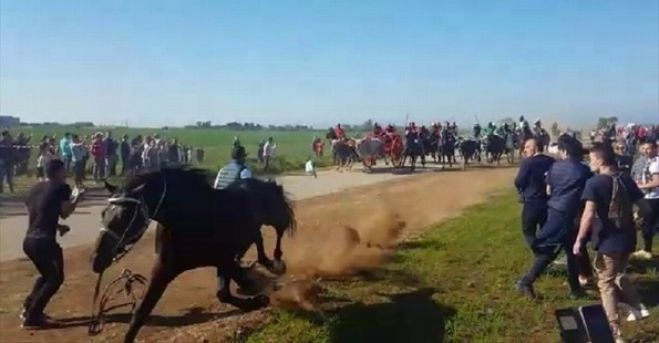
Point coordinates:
pixel 526 290
pixel 635 314
pixel 642 255
pixel 584 281
pixel 42 322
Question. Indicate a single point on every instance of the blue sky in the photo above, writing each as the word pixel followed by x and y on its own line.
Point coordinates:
pixel 321 62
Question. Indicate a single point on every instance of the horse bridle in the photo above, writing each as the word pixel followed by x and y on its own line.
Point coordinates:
pixel 122 247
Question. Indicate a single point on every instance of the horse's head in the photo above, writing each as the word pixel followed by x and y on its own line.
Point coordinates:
pixel 125 219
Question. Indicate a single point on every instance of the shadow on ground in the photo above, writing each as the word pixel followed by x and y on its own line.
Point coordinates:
pixel 411 316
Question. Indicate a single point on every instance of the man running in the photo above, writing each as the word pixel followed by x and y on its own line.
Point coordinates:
pixel 610 196
pixel 530 182
pixel 566 180
pixel 46 202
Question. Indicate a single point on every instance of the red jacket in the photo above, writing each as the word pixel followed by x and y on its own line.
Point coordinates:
pixel 97 149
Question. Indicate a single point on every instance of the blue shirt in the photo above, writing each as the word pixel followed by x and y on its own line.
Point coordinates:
pixel 65 147
pixel 530 180
pixel 567 179
pixel 613 235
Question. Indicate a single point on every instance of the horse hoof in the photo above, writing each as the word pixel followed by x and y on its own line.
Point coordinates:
pixel 278 267
pixel 261 300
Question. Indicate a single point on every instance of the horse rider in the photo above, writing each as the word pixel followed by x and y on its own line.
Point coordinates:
pixel 490 130
pixel 339 132
pixel 377 130
pixel 477 131
pixel 523 123
pixel 503 130
pixel 46 202
pixel 538 130
pixel 411 130
pixel 436 129
pixel 454 128
pixel 234 170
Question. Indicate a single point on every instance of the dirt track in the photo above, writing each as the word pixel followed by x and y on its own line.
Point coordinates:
pixel 189 306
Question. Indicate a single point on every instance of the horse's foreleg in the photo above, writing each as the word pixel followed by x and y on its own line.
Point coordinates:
pixel 160 278
pixel 260 250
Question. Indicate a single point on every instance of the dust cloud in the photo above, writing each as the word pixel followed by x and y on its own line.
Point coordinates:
pixel 336 253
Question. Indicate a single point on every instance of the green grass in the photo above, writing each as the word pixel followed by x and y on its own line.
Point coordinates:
pixel 455 284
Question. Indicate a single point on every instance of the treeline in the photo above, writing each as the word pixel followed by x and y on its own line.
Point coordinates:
pixel 248 126
pixel 77 124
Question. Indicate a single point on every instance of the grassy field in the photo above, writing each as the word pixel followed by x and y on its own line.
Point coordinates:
pixel 455 284
pixel 293 147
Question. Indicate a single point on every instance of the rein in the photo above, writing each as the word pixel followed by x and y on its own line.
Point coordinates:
pixel 129 279
pixel 127 276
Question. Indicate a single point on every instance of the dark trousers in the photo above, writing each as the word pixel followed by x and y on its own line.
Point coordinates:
pixel 650 224
pixel 546 253
pixel 46 255
pixel 534 216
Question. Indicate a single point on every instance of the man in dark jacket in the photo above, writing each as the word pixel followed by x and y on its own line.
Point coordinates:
pixel 566 180
pixel 530 182
pixel 124 149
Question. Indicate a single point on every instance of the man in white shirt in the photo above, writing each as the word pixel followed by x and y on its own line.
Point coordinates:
pixel 649 184
pixel 268 151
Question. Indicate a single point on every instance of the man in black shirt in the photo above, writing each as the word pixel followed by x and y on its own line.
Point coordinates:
pixel 531 185
pixel 46 202
pixel 623 160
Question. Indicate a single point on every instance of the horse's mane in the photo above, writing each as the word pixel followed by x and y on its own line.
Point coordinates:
pixel 193 178
pixel 261 187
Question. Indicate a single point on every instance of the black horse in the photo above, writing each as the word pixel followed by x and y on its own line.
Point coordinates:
pixel 447 148
pixel 200 226
pixel 494 148
pixel 470 149
pixel 413 150
pixel 430 142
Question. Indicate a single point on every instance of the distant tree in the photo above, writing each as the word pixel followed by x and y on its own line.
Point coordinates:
pixel 507 120
pixel 604 122
pixel 367 125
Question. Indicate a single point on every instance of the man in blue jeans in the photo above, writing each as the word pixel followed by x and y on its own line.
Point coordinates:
pixel 530 182
pixel 565 183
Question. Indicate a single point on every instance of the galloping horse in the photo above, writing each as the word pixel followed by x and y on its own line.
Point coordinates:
pixel 494 148
pixel 447 148
pixel 389 148
pixel 413 149
pixel 510 146
pixel 470 149
pixel 200 226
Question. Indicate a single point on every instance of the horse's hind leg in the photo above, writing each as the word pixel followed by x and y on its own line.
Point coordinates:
pixel 226 271
pixel 160 278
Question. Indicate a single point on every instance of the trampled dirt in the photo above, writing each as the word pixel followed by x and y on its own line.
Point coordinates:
pixel 337 234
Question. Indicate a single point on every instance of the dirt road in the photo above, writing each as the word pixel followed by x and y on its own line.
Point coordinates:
pixel 189 307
